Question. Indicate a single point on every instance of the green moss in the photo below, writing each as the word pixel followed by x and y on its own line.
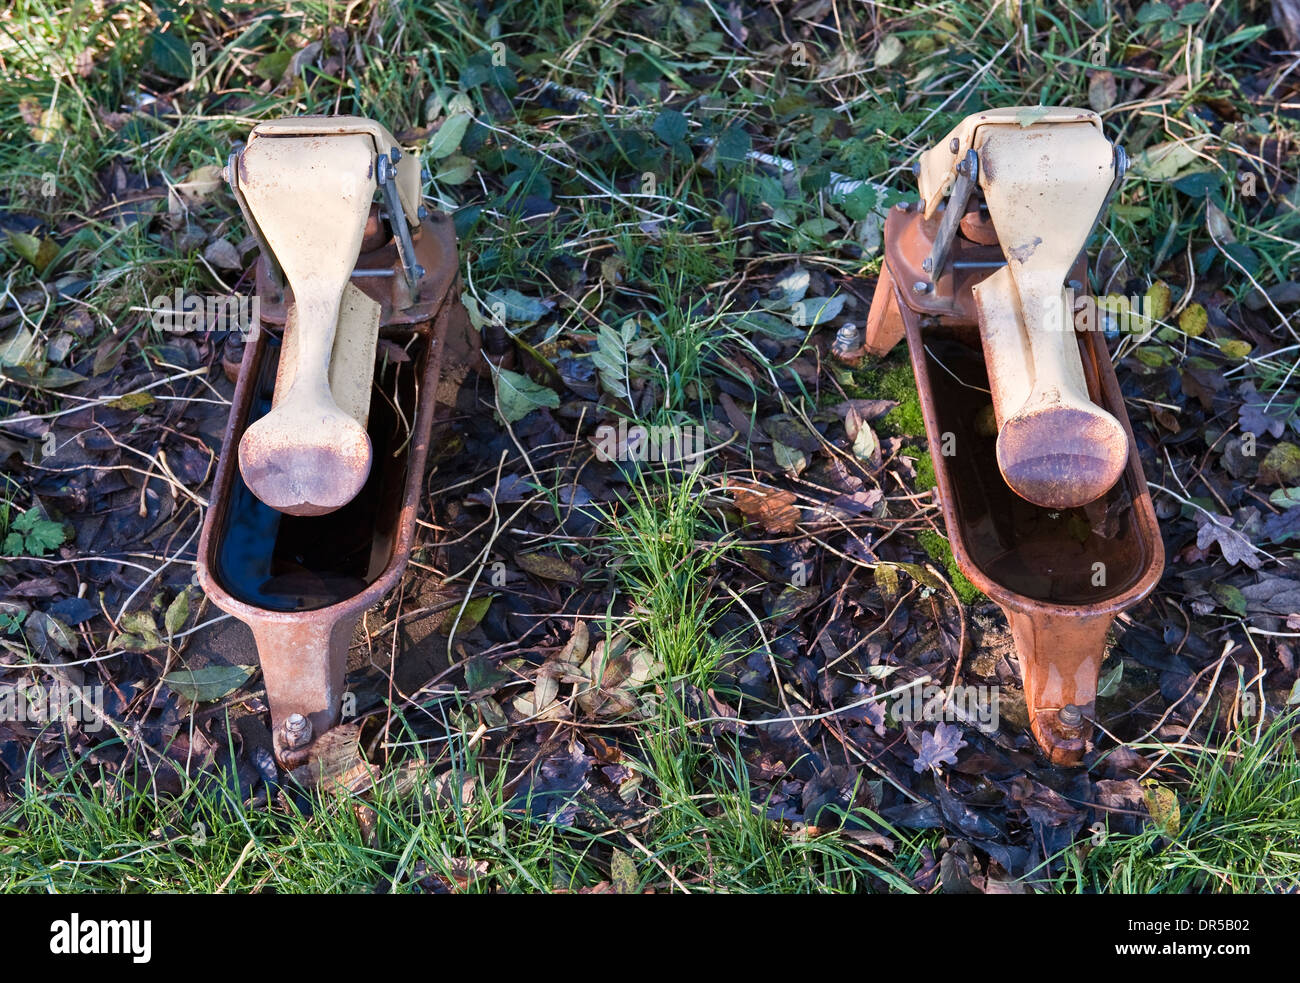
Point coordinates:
pixel 891 379
pixel 898 384
pixel 925 477
pixel 940 552
pixel 1281 466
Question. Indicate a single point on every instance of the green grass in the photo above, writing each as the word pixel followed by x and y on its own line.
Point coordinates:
pixel 409 833
pixel 681 262
pixel 1239 832
pixel 709 823
pixel 663 554
pixel 71 837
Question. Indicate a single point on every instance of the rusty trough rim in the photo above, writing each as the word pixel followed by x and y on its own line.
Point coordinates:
pixel 1142 505
pixel 227 466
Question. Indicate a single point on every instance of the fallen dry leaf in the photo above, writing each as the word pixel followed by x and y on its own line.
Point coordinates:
pixel 773 508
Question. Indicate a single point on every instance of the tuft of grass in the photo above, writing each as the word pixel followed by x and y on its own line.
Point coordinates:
pixel 1239 829
pixel 664 549
pixel 404 835
pixel 710 827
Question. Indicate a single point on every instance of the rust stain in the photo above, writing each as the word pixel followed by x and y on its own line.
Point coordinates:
pixel 1022 252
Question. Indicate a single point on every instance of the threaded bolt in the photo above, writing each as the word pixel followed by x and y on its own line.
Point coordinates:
pixel 846 340
pixel 920 287
pixel 1070 715
pixel 295 732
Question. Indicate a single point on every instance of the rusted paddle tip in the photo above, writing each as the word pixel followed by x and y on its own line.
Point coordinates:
pixel 1062 457
pixel 305 466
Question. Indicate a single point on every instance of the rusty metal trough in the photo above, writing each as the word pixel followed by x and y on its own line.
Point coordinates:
pixel 301 582
pixel 1064 567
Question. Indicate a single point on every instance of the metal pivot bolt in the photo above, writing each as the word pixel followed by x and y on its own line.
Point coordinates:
pixel 387 180
pixel 920 287
pixel 1070 715
pixel 295 733
pixel 846 339
pixel 962 188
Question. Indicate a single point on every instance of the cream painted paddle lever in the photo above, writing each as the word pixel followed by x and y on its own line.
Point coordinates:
pixel 305 185
pixel 1045 175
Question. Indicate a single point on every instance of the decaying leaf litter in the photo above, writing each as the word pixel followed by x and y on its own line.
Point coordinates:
pixel 769 602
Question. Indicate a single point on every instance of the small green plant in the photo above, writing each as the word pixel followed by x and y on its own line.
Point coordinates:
pixel 32 535
pixel 660 537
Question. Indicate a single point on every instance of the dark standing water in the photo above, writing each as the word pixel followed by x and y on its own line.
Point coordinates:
pixel 301 563
pixel 1044 554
